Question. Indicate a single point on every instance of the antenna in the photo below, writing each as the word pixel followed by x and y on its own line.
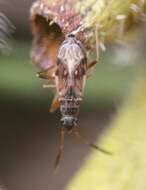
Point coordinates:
pixel 61 147
pixel 85 141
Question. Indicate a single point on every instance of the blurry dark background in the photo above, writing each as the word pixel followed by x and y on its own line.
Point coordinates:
pixel 28 132
pixel 18 13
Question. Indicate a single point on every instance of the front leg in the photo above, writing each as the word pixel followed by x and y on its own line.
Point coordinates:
pixel 91 65
pixel 90 68
pixel 47 74
pixel 51 85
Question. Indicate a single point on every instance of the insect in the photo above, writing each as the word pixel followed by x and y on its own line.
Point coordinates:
pixel 62 59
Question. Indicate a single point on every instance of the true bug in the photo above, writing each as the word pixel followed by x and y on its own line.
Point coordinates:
pixel 61 56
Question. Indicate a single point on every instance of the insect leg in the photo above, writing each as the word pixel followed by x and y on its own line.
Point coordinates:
pixel 91 65
pixel 61 147
pixel 90 68
pixel 97 42
pixel 55 104
pixel 51 86
pixel 85 141
pixel 46 74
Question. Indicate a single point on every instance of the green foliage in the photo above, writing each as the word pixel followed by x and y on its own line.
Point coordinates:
pixel 113 17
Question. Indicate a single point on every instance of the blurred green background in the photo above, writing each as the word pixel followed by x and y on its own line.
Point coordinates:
pixel 109 83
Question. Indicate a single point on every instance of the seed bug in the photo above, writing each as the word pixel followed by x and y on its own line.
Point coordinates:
pixel 62 59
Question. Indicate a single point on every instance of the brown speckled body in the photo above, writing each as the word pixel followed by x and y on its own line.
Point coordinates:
pixel 59 53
